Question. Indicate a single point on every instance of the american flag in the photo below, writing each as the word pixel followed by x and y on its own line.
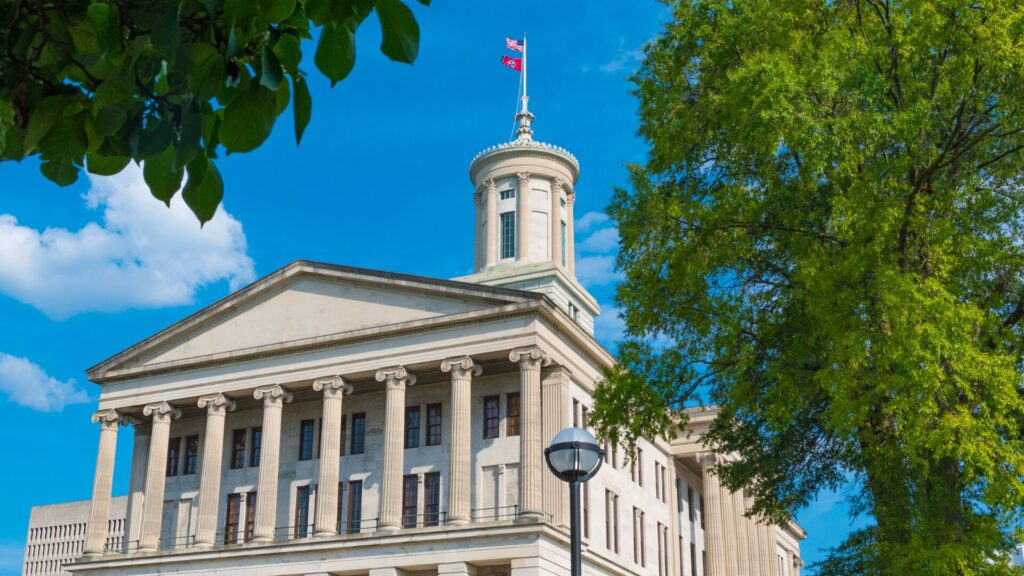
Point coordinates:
pixel 514 44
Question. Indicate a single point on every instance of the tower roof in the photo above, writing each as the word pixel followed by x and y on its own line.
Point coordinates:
pixel 525 145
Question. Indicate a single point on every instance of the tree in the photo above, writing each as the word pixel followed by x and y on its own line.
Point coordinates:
pixel 97 84
pixel 826 241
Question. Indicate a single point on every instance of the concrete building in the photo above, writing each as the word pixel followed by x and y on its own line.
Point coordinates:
pixel 334 420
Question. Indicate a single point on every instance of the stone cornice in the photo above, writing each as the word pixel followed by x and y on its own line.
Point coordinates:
pixel 529 148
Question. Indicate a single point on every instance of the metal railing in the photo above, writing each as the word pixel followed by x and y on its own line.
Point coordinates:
pixel 424 520
pixel 297 532
pixel 358 526
pixel 494 513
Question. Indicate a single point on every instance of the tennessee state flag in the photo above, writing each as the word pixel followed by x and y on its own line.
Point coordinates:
pixel 513 63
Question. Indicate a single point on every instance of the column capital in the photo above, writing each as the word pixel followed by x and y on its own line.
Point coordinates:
pixel 556 374
pixel 523 176
pixel 161 411
pixel 395 377
pixel 272 394
pixel 460 367
pixel 570 196
pixel 216 403
pixel 531 358
pixel 332 386
pixel 109 418
pixel 709 459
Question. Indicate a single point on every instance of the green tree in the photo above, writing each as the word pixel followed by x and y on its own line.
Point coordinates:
pixel 826 241
pixel 97 84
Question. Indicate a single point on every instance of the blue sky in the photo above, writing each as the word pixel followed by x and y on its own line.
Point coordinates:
pixel 88 270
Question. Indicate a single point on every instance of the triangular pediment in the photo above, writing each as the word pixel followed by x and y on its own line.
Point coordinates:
pixel 305 301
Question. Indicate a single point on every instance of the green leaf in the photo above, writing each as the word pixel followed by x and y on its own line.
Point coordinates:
pixel 270 74
pixel 186 145
pixel 161 176
pixel 288 52
pixel 302 106
pixel 62 151
pixel 248 119
pixel 156 136
pixel 6 121
pixel 105 20
pixel 103 165
pixel 282 96
pixel 401 33
pixel 115 89
pixel 336 52
pixel 165 30
pixel 206 70
pixel 204 189
pixel 109 119
pixel 277 10
pixel 42 118
pixel 425 2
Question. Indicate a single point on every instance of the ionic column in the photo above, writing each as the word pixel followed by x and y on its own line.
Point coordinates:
pixel 531 455
pixel 768 557
pixel 137 482
pixel 753 542
pixel 713 536
pixel 739 507
pixel 493 242
pixel 462 370
pixel 156 473
pixel 99 511
pixel 729 530
pixel 556 220
pixel 334 389
pixel 570 232
pixel 274 397
pixel 217 406
pixel 395 380
pixel 555 415
pixel 523 216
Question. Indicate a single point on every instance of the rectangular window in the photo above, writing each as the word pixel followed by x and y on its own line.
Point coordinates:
pixel 689 502
pixel 306 430
pixel 191 454
pixel 507 194
pixel 584 416
pixel 693 558
pixel 341 445
pixel 434 421
pixel 639 537
pixel 657 482
pixel 231 518
pixel 664 491
pixel 302 511
pixel 512 414
pixel 508 235
pixel 431 498
pixel 238 448
pixel 611 521
pixel 173 454
pixel 565 248
pixel 254 446
pixel 250 514
pixel 358 433
pixel 342 525
pixel 662 549
pixel 412 427
pixel 640 467
pixel 575 413
pixel 319 436
pixel 703 518
pixel 410 487
pixel 355 506
pixel 492 416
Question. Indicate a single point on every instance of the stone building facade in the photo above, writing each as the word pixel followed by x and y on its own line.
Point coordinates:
pixel 334 420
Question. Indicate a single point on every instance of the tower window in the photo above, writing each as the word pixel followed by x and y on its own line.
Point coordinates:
pixel 507 194
pixel 564 246
pixel 508 235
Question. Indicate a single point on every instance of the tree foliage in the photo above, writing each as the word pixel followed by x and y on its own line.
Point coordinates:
pixel 827 241
pixel 98 84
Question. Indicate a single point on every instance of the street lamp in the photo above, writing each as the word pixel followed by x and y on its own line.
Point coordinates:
pixel 574 457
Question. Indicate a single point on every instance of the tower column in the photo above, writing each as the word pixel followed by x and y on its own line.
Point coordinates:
pixel 570 232
pixel 156 473
pixel 99 511
pixel 492 243
pixel 137 482
pixel 462 370
pixel 334 389
pixel 478 234
pixel 531 455
pixel 217 406
pixel 714 540
pixel 555 410
pixel 274 398
pixel 395 380
pixel 557 185
pixel 523 216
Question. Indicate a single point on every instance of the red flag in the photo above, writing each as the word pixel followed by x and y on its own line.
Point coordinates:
pixel 513 63
pixel 514 44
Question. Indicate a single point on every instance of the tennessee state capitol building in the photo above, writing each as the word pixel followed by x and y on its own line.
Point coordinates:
pixel 329 420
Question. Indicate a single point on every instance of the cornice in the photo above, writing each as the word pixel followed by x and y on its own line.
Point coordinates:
pixel 528 148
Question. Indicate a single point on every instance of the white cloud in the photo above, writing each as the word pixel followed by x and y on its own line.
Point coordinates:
pixel 626 59
pixel 597 270
pixel 27 384
pixel 142 254
pixel 604 240
pixel 609 327
pixel 583 223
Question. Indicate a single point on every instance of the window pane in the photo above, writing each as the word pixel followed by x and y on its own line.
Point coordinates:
pixel 173 446
pixel 491 416
pixel 254 448
pixel 238 448
pixel 191 454
pixel 409 493
pixel 358 433
pixel 231 518
pixel 432 498
pixel 512 410
pixel 306 440
pixel 508 235
pixel 412 427
pixel 302 512
pixel 355 505
pixel 434 424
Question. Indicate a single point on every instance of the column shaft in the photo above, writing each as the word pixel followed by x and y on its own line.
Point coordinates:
pixel 523 216
pixel 714 540
pixel 556 222
pixel 493 241
pixel 753 543
pixel 768 555
pixel 531 455
pixel 334 389
pixel 739 506
pixel 137 483
pixel 274 397
pixel 395 380
pixel 217 407
pixel 570 233
pixel 728 530
pixel 478 235
pixel 555 409
pixel 462 371
pixel 99 511
pixel 156 473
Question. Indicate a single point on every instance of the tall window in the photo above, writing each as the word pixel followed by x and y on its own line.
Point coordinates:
pixel 434 424
pixel 565 249
pixel 492 416
pixel 512 414
pixel 173 455
pixel 238 448
pixel 664 491
pixel 639 554
pixel 250 514
pixel 302 511
pixel 689 503
pixel 662 550
pixel 693 558
pixel 640 466
pixel 611 521
pixel 306 429
pixel 254 446
pixel 412 427
pixel 231 518
pixel 431 498
pixel 584 416
pixel 191 454
pixel 575 413
pixel 657 480
pixel 410 487
pixel 358 433
pixel 355 505
pixel 341 445
pixel 508 235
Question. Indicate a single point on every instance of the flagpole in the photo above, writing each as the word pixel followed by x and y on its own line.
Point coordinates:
pixel 525 97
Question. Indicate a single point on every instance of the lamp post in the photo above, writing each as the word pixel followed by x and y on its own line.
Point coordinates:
pixel 574 457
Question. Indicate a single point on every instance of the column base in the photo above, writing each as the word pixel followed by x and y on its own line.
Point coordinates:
pixel 458 521
pixel 324 533
pixel 529 518
pixel 197 545
pixel 389 528
pixel 261 539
